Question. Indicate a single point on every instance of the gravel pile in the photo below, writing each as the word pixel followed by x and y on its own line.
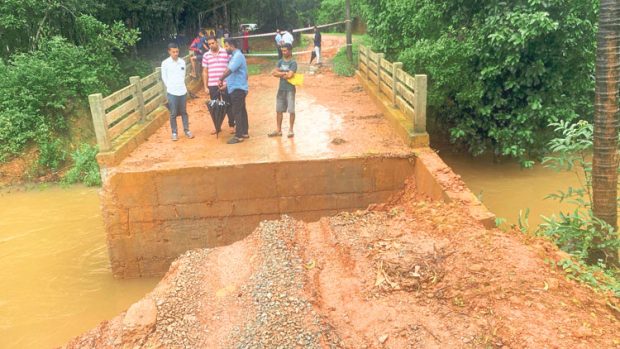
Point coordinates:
pixel 178 324
pixel 284 316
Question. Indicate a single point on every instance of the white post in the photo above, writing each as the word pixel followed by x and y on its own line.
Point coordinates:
pixel 395 67
pixel 97 112
pixel 419 122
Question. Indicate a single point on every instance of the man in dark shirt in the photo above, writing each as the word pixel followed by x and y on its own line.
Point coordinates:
pixel 317 46
pixel 285 100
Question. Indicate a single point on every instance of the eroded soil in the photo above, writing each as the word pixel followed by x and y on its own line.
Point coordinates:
pixel 411 273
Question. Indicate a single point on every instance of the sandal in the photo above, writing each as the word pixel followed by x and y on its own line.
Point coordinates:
pixel 291 134
pixel 274 134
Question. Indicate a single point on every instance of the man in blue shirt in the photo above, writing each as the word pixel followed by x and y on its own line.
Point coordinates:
pixel 236 76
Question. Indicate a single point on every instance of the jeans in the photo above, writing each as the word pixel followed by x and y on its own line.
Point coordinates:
pixel 239 112
pixel 214 93
pixel 177 106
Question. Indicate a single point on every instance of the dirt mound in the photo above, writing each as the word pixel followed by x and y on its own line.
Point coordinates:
pixel 411 273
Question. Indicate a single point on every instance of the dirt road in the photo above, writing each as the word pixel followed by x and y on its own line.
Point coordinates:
pixel 334 117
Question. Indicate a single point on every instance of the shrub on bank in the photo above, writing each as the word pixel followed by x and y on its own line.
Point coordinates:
pixel 85 168
pixel 592 242
pixel 42 88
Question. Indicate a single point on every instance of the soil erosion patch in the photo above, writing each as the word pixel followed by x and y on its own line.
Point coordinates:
pixel 411 273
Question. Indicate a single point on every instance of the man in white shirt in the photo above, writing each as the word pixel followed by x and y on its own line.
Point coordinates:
pixel 173 75
pixel 279 43
pixel 287 38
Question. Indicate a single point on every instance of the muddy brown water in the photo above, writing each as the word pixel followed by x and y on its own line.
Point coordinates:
pixel 506 188
pixel 55 279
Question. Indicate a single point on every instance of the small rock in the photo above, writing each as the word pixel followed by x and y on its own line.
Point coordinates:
pixel 383 338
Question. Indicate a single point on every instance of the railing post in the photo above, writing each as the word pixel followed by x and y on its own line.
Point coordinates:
pixel 139 96
pixel 419 109
pixel 379 59
pixel 395 67
pixel 367 65
pixel 161 85
pixel 97 111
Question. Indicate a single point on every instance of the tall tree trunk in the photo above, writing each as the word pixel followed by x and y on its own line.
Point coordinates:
pixel 605 157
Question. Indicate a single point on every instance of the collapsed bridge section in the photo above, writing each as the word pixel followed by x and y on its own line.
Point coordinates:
pixel 152 217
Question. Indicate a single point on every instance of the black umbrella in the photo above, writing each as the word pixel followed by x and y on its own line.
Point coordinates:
pixel 217 109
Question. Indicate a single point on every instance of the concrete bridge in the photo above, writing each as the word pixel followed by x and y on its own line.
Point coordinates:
pixel 357 140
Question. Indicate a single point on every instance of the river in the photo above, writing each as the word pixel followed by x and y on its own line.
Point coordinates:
pixel 55 279
pixel 506 188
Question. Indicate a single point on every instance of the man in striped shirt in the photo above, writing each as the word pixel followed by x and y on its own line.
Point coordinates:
pixel 214 63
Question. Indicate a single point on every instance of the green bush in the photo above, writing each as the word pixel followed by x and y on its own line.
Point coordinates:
pixel 499 72
pixel 41 88
pixel 85 168
pixel 52 154
pixel 578 232
pixel 590 240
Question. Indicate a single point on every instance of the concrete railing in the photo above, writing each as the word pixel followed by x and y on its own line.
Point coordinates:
pixel 118 112
pixel 407 93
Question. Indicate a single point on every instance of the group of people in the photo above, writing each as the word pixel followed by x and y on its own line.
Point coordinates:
pixel 284 37
pixel 225 76
pixel 199 44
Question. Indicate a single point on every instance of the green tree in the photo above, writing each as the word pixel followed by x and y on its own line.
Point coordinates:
pixel 499 72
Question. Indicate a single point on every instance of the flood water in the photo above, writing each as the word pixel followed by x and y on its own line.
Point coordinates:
pixel 55 280
pixel 505 188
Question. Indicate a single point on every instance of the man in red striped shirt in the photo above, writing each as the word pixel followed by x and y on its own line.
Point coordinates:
pixel 214 63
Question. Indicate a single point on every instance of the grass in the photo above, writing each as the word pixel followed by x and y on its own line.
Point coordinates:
pixel 342 66
pixel 254 69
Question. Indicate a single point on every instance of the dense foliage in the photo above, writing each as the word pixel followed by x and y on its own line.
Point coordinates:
pixel 593 243
pixel 85 168
pixel 499 71
pixel 40 88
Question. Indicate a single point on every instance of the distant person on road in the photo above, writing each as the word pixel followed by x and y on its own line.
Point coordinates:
pixel 287 38
pixel 214 64
pixel 197 47
pixel 173 76
pixel 219 34
pixel 317 46
pixel 279 43
pixel 246 40
pixel 285 100
pixel 236 77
